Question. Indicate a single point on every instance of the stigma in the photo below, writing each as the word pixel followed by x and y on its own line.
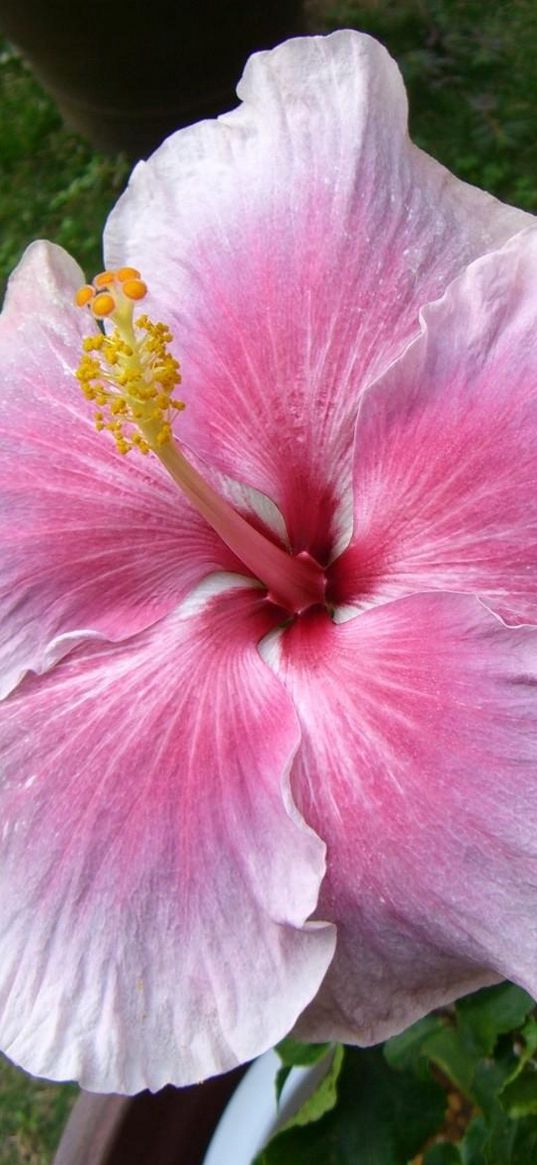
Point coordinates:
pixel 127 371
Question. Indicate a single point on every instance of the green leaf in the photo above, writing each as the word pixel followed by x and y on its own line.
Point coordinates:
pixel 489 1013
pixel 406 1051
pixel 296 1055
pixel 529 1035
pixel 281 1077
pixel 519 1097
pixel 382 1117
pixel 524 1050
pixel 446 1049
pixel 443 1154
pixel 523 1150
pixel 324 1097
pixel 512 1143
pixel 489 1080
pixel 516 1099
pixel 472 1146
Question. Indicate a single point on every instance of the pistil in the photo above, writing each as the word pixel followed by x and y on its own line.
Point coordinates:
pixel 292 581
pixel 131 376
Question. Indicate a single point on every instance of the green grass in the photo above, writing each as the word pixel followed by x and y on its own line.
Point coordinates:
pixel 52 184
pixel 32 1112
pixel 469 66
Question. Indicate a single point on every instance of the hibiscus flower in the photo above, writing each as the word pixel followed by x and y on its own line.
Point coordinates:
pixel 268 746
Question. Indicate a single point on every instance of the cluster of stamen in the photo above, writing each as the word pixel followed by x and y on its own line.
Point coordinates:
pixel 128 372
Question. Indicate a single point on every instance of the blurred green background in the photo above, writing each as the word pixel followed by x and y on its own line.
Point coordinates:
pixel 470 70
pixel 469 67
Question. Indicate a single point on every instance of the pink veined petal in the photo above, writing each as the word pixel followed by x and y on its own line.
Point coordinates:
pixel 291 244
pixel 156 876
pixel 446 450
pixel 417 768
pixel 91 541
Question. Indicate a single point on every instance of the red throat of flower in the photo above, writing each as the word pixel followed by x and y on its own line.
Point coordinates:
pixel 130 376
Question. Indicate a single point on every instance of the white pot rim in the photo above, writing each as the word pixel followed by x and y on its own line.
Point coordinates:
pixel 252 1116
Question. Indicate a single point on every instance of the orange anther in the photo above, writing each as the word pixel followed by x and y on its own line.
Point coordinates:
pixel 103 304
pixel 84 294
pixel 134 288
pixel 127 273
pixel 104 279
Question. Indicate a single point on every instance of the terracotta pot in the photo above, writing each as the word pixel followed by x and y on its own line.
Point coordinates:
pixel 128 73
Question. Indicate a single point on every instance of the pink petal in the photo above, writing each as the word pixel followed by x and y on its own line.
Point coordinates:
pixel 291 243
pixel 418 770
pixel 91 541
pixel 157 878
pixel 446 450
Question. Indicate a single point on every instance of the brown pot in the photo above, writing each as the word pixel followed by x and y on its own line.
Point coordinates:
pixel 171 1127
pixel 128 73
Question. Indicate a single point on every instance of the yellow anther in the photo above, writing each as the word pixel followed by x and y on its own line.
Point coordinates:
pixel 104 279
pixel 127 273
pixel 128 371
pixel 84 294
pixel 118 405
pixel 134 288
pixel 103 305
pixel 88 368
pixel 92 343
